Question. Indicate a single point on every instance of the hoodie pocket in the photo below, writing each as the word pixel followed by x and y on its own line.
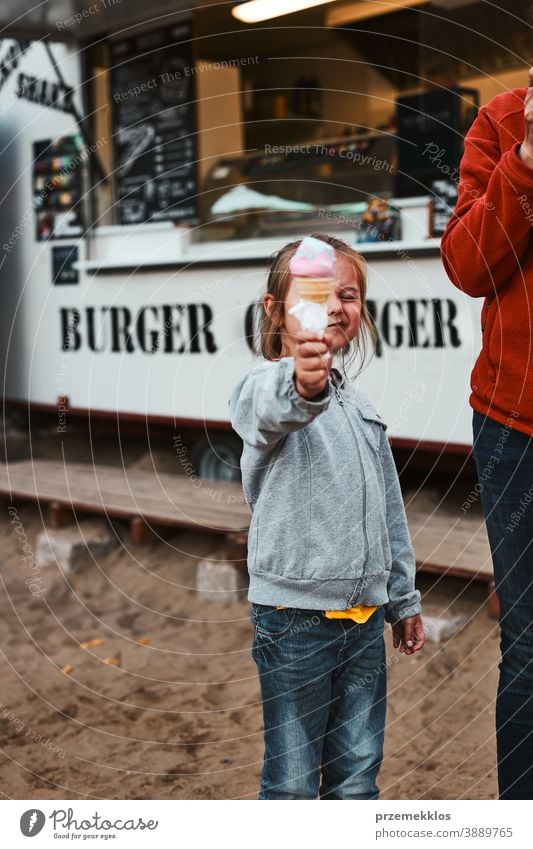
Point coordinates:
pixel 373 424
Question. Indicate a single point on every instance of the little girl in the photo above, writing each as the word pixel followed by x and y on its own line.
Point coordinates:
pixel 329 553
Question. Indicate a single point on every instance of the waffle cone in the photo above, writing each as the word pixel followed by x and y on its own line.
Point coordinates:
pixel 315 289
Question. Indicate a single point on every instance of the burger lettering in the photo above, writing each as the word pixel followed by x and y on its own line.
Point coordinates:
pixel 188 328
pixel 169 328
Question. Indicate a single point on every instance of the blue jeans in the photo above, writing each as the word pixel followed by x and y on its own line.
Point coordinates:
pixel 504 460
pixel 323 685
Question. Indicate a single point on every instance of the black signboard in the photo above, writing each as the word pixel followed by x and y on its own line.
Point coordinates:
pixel 57 188
pixel 63 259
pixel 443 200
pixel 431 128
pixel 154 109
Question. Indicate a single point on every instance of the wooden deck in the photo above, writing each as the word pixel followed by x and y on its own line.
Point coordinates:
pixel 453 544
pixel 444 543
pixel 157 499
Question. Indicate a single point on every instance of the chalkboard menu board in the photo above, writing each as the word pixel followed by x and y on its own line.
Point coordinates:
pixel 154 125
pixel 63 259
pixel 443 200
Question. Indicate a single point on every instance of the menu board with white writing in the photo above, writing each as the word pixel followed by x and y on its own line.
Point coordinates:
pixel 154 126
pixel 443 200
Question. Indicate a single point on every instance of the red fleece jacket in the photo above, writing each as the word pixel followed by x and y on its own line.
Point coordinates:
pixel 487 252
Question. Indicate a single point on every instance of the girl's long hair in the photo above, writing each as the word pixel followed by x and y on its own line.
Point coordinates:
pixel 278 282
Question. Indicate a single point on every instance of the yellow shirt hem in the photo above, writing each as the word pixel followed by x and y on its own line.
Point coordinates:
pixel 359 614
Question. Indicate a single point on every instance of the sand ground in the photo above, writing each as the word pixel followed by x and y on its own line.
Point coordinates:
pixel 180 717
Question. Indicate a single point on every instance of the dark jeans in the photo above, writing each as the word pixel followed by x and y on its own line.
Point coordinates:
pixel 324 693
pixel 504 460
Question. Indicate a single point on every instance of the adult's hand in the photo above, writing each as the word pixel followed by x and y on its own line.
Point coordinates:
pixel 312 359
pixel 526 148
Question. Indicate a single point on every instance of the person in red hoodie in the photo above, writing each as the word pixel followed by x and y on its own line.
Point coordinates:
pixel 488 253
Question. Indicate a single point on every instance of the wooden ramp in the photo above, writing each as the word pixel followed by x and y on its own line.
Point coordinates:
pixel 155 499
pixel 444 542
pixel 456 545
pixel 453 544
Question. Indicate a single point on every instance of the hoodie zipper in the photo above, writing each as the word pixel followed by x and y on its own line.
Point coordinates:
pixel 365 533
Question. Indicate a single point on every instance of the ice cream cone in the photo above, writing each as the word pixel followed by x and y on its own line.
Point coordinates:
pixel 314 289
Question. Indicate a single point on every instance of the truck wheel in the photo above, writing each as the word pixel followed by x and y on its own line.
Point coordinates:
pixel 217 457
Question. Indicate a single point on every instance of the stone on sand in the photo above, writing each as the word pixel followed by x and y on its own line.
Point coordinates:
pixel 219 580
pixel 74 547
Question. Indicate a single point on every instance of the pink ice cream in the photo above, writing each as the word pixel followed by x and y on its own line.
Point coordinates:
pixel 312 266
pixel 313 258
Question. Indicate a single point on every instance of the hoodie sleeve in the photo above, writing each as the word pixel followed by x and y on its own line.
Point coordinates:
pixel 265 405
pixel 404 599
pixel 489 230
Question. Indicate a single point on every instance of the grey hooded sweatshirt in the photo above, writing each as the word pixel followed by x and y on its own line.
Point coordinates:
pixel 328 528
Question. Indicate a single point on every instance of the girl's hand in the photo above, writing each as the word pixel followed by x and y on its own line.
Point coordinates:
pixel 526 148
pixel 408 634
pixel 312 360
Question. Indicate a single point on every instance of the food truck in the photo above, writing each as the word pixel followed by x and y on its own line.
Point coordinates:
pixel 153 159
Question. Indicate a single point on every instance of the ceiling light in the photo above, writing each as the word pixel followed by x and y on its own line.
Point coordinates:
pixel 347 13
pixel 261 10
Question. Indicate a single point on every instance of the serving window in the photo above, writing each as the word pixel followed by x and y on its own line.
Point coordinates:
pixel 239 131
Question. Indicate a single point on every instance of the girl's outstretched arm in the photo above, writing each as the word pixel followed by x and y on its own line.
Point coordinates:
pixel 265 405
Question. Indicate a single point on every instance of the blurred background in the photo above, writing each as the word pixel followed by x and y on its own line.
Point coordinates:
pixel 153 157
